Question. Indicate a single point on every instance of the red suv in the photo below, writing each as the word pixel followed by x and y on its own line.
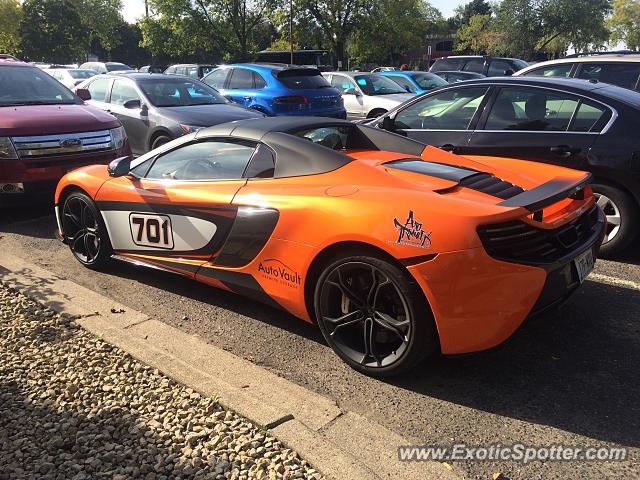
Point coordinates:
pixel 45 131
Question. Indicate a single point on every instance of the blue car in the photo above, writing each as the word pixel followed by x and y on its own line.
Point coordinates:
pixel 416 82
pixel 277 90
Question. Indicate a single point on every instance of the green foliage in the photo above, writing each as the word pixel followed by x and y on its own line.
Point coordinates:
pixel 392 28
pixel 101 20
pixel 463 13
pixel 625 23
pixel 51 30
pixel 477 36
pixel 10 16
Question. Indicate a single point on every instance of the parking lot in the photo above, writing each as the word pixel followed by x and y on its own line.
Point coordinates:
pixel 568 377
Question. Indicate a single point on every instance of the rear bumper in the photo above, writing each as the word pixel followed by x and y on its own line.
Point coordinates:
pixel 332 113
pixel 478 301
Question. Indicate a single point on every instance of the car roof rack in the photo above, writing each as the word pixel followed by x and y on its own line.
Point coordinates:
pixel 612 52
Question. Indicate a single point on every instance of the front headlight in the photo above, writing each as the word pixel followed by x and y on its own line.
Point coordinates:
pixel 190 128
pixel 7 151
pixel 118 136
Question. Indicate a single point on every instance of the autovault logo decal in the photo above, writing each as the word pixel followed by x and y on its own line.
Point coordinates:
pixel 273 269
pixel 411 232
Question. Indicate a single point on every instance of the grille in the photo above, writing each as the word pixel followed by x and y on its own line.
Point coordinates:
pixel 523 243
pixel 487 183
pixel 63 144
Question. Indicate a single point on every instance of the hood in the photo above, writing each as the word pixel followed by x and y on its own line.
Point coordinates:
pixel 208 115
pixel 53 119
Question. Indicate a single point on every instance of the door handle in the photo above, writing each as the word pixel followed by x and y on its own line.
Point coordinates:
pixel 247 99
pixel 447 147
pixel 564 151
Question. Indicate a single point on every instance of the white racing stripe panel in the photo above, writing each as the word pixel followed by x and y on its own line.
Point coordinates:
pixel 189 233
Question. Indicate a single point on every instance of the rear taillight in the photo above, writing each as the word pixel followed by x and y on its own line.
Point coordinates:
pixel 292 100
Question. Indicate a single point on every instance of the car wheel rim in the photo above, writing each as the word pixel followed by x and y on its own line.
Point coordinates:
pixel 612 212
pixel 81 230
pixel 365 314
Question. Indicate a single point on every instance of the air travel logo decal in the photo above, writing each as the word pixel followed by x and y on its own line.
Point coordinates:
pixel 411 233
pixel 273 269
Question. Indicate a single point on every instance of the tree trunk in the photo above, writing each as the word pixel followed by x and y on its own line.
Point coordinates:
pixel 339 48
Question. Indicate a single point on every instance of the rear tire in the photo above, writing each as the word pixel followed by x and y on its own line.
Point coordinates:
pixel 376 113
pixel 621 211
pixel 374 315
pixel 159 141
pixel 85 232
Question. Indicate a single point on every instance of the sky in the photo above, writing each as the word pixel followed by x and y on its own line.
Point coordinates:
pixel 134 9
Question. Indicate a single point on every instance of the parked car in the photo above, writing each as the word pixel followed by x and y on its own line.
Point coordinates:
pixel 486 65
pixel 277 90
pixel 155 108
pixel 457 76
pixel 415 82
pixel 384 69
pixel 367 95
pixel 572 123
pixel 106 67
pixel 46 131
pixel 618 69
pixel 71 77
pixel 396 250
pixel 193 70
pixel 152 69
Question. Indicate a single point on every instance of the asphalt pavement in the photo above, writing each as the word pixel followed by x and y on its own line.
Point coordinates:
pixel 569 377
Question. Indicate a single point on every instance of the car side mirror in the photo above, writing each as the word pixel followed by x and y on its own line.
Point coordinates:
pixel 132 104
pixel 83 93
pixel 119 167
pixel 349 91
pixel 389 124
pixel 508 72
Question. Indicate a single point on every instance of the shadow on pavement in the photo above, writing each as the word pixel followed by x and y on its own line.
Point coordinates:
pixel 575 369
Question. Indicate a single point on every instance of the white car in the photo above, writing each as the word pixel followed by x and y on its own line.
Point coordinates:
pixel 71 77
pixel 367 95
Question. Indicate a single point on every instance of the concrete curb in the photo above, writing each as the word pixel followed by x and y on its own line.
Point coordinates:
pixel 340 444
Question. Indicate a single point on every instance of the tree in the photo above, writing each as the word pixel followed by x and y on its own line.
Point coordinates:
pixel 390 29
pixel 476 36
pixel 338 19
pixel 51 30
pixel 463 13
pixel 625 23
pixel 10 15
pixel 101 20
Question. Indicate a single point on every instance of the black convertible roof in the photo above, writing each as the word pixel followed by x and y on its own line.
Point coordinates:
pixel 296 156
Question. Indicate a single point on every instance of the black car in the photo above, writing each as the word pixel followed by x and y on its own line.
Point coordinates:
pixel 487 66
pixel 155 108
pixel 456 76
pixel 573 123
pixel 152 69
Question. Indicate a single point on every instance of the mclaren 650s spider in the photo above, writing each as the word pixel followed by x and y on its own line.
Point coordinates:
pixel 397 250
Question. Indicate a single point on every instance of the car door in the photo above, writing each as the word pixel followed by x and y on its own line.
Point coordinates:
pixel 177 204
pixel 351 94
pixel 133 117
pixel 443 119
pixel 99 89
pixel 240 87
pixel 538 124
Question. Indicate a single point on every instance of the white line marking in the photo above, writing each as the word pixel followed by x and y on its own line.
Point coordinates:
pixel 598 277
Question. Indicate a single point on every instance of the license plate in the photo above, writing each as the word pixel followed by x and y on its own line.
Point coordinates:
pixel 584 264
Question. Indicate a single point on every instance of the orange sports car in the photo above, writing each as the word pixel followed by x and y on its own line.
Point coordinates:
pixel 395 249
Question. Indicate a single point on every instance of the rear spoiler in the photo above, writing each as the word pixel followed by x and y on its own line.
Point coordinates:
pixel 547 193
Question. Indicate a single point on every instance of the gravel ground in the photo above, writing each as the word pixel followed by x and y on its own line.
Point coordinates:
pixel 74 407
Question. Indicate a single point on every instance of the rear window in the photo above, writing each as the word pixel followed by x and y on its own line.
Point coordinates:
pixel 447 64
pixel 31 86
pixel 113 67
pixel 82 73
pixel 299 80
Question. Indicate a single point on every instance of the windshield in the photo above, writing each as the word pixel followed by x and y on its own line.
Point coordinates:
pixel 428 81
pixel 114 67
pixel 82 73
pixel 179 92
pixel 377 85
pixel 32 86
pixel 520 64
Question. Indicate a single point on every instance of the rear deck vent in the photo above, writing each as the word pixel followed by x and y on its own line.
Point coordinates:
pixel 487 183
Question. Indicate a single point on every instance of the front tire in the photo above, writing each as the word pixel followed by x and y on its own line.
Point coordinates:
pixel 85 232
pixel 374 315
pixel 159 141
pixel 376 113
pixel 621 211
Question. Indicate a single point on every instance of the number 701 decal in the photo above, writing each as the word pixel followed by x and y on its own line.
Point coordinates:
pixel 151 230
